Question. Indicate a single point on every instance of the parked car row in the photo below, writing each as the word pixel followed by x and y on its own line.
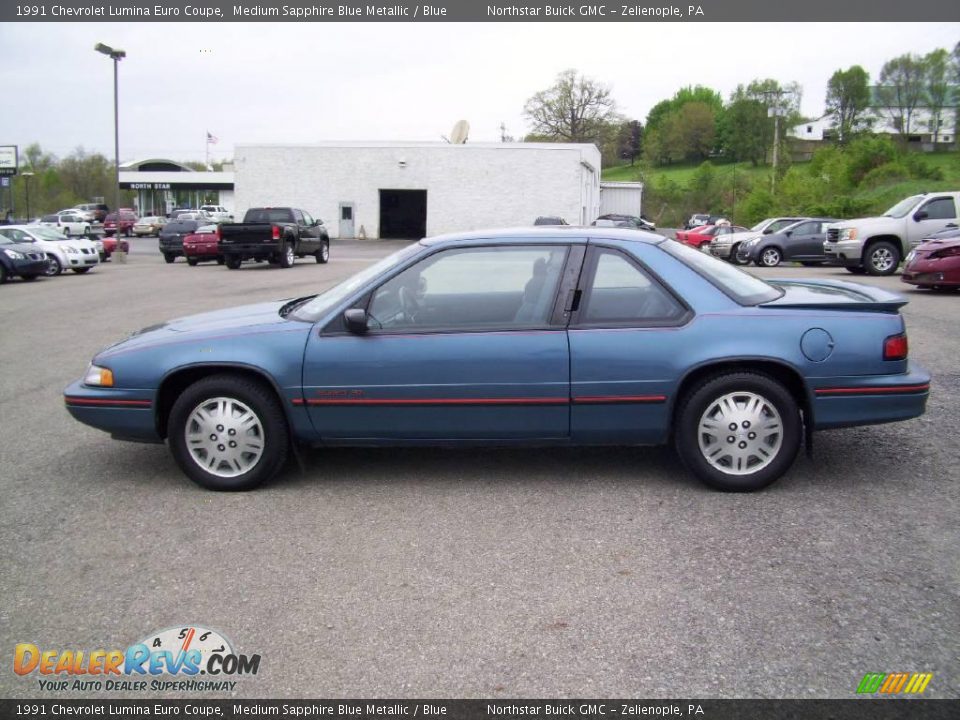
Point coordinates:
pixel 278 235
pixel 31 251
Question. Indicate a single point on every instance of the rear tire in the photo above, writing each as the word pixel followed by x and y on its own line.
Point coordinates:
pixel 287 257
pixel 3 274
pixel 323 254
pixel 232 263
pixel 192 262
pixel 169 258
pixel 738 432
pixel 220 260
pixel 223 409
pixel 882 259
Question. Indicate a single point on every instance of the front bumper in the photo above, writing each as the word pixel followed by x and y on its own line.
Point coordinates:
pixel 127 414
pixel 843 252
pixel 869 399
pixel 920 275
pixel 29 266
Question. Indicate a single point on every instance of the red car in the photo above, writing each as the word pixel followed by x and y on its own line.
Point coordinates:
pixel 121 222
pixel 700 236
pixel 202 244
pixel 110 247
pixel 934 264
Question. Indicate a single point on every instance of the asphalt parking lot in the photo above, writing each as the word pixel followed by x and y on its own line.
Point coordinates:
pixel 471 573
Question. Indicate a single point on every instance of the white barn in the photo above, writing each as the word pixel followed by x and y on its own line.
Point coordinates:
pixel 410 190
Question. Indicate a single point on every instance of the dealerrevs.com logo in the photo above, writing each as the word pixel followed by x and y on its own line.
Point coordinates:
pixel 894 683
pixel 189 658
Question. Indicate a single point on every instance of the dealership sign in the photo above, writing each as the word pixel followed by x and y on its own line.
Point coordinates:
pixel 8 159
pixel 149 186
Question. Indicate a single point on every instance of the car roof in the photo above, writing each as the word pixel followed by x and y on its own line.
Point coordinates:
pixel 569 233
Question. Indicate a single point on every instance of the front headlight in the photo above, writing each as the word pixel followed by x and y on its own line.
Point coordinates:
pixel 70 250
pixel 848 234
pixel 13 254
pixel 98 376
pixel 752 242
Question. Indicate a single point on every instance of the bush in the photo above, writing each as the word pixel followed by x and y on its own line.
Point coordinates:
pixel 865 154
pixel 890 172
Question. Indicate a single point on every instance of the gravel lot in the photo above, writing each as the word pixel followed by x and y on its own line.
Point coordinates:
pixel 471 573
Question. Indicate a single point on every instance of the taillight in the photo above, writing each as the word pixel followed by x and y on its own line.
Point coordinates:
pixel 895 347
pixel 276 233
pixel 218 233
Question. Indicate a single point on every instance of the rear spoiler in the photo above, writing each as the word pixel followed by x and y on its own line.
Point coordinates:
pixel 834 295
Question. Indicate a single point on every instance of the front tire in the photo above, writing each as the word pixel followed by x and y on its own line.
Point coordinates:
pixel 323 254
pixel 81 271
pixel 733 256
pixel 228 432
pixel 882 259
pixel 770 257
pixel 738 432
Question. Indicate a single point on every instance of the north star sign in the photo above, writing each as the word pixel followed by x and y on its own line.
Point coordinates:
pixel 149 186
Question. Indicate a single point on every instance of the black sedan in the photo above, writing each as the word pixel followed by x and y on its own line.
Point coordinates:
pixel 171 237
pixel 802 242
pixel 21 260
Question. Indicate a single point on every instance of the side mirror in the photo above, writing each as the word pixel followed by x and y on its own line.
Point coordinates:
pixel 788 233
pixel 920 215
pixel 318 222
pixel 356 320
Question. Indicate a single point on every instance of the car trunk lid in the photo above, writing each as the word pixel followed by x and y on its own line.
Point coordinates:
pixel 834 295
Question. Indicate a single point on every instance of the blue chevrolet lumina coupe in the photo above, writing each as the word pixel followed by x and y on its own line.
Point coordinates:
pixel 537 336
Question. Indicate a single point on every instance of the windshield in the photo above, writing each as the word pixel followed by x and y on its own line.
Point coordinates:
pixel 903 207
pixel 326 301
pixel 760 226
pixel 47 234
pixel 734 282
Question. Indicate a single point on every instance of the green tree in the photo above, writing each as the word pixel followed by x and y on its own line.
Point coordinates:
pixel 938 90
pixel 746 130
pixel 574 109
pixel 901 90
pixel 848 99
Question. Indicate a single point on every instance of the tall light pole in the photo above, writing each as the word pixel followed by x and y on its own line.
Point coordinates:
pixel 26 175
pixel 116 55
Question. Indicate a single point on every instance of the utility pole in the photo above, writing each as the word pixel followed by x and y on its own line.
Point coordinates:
pixel 776 110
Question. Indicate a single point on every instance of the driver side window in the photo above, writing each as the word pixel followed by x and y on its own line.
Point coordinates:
pixel 472 289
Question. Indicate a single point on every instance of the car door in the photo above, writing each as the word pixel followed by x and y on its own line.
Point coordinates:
pixel 625 336
pixel 467 343
pixel 934 215
pixel 804 241
pixel 310 232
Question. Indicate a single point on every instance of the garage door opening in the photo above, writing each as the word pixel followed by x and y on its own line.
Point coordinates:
pixel 403 214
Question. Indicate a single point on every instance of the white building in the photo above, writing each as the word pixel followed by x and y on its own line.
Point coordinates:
pixel 162 185
pixel 411 190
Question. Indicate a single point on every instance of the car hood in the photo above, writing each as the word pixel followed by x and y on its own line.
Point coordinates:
pixel 834 295
pixel 22 248
pixel 218 324
pixel 868 222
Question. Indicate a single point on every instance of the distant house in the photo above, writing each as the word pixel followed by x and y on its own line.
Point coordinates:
pixel 887 120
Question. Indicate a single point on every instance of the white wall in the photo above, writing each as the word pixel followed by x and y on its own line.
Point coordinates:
pixel 469 187
pixel 621 198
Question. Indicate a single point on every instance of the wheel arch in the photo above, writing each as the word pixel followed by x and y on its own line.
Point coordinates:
pixel 179 379
pixel 874 239
pixel 779 370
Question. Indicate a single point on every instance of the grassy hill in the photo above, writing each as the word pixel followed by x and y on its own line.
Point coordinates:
pixel 877 197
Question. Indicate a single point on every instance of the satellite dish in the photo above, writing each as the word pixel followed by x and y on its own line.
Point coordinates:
pixel 458 136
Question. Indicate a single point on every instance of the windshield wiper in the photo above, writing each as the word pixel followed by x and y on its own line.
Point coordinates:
pixel 292 305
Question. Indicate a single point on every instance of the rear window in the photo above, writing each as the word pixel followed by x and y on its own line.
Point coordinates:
pixel 739 285
pixel 268 215
pixel 50 218
pixel 179 226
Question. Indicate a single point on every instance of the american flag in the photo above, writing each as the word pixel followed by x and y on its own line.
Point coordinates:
pixel 211 139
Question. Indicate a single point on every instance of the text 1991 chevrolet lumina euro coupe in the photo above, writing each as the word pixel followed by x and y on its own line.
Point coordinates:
pixel 537 336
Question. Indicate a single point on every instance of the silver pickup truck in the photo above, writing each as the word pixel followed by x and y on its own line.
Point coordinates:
pixel 877 245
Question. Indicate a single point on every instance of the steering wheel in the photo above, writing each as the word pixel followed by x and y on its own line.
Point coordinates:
pixel 409 304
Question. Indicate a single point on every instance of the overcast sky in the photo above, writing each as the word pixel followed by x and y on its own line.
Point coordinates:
pixel 310 82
